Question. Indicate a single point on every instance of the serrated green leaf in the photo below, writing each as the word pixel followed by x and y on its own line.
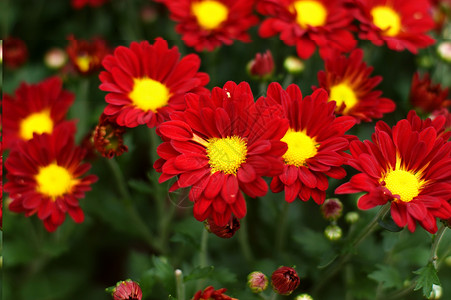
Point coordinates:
pixel 199 273
pixel 427 276
pixel 388 276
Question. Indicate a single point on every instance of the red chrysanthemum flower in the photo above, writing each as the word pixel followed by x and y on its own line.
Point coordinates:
pixel 127 290
pixel 308 24
pixel 78 4
pixel 285 280
pixel 348 83
pixel 401 24
pixel 107 138
pixel 45 177
pixel 207 24
pixel 222 146
pixel 428 96
pixel 36 108
pixel 210 293
pixel 408 165
pixel 86 56
pixel 148 82
pixel 316 143
pixel 15 52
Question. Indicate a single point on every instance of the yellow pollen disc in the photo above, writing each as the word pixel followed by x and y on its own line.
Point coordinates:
pixel 343 93
pixel 210 14
pixel 149 94
pixel 226 154
pixel 83 62
pixel 386 18
pixel 54 180
pixel 402 183
pixel 300 148
pixel 311 13
pixel 39 123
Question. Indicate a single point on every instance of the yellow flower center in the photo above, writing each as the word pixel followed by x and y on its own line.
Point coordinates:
pixel 83 62
pixel 402 183
pixel 149 94
pixel 39 123
pixel 309 12
pixel 387 19
pixel 210 14
pixel 226 154
pixel 300 147
pixel 54 180
pixel 343 93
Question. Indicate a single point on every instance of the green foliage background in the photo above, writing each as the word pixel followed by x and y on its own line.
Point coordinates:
pixel 80 261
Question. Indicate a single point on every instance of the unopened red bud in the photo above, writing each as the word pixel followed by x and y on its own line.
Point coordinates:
pixel 284 280
pixel 224 232
pixel 332 209
pixel 127 290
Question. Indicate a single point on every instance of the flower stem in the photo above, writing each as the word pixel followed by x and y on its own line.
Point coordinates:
pixel 203 249
pixel 243 239
pixel 435 244
pixel 180 285
pixel 135 217
pixel 281 229
pixel 345 256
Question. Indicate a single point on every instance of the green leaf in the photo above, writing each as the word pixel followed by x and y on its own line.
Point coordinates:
pixel 388 276
pixel 389 225
pixel 427 277
pixel 199 273
pixel 164 272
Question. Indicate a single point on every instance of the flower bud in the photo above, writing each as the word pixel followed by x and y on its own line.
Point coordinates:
pixel 284 280
pixel 304 297
pixel 352 217
pixel 257 281
pixel 210 293
pixel 127 290
pixel 444 51
pixel 448 261
pixel 333 232
pixel 293 65
pixel 262 66
pixel 436 292
pixel 224 232
pixel 108 137
pixel 55 58
pixel 332 209
pixel 15 52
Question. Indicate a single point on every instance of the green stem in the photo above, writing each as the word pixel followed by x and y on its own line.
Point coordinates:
pixel 135 217
pixel 243 239
pixel 274 296
pixel 281 229
pixel 203 248
pixel 348 254
pixel 435 244
pixel 180 285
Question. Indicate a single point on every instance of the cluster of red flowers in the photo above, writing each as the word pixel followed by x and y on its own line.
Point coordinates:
pixel 222 143
pixel 307 24
pixel 45 172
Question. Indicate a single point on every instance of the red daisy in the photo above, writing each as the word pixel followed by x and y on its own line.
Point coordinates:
pixel 408 165
pixel 308 24
pixel 401 24
pixel 14 51
pixel 78 4
pixel 36 108
pixel 207 24
pixel 210 293
pixel 87 56
pixel 427 96
pixel 222 146
pixel 348 83
pixel 147 82
pixel 45 177
pixel 316 143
